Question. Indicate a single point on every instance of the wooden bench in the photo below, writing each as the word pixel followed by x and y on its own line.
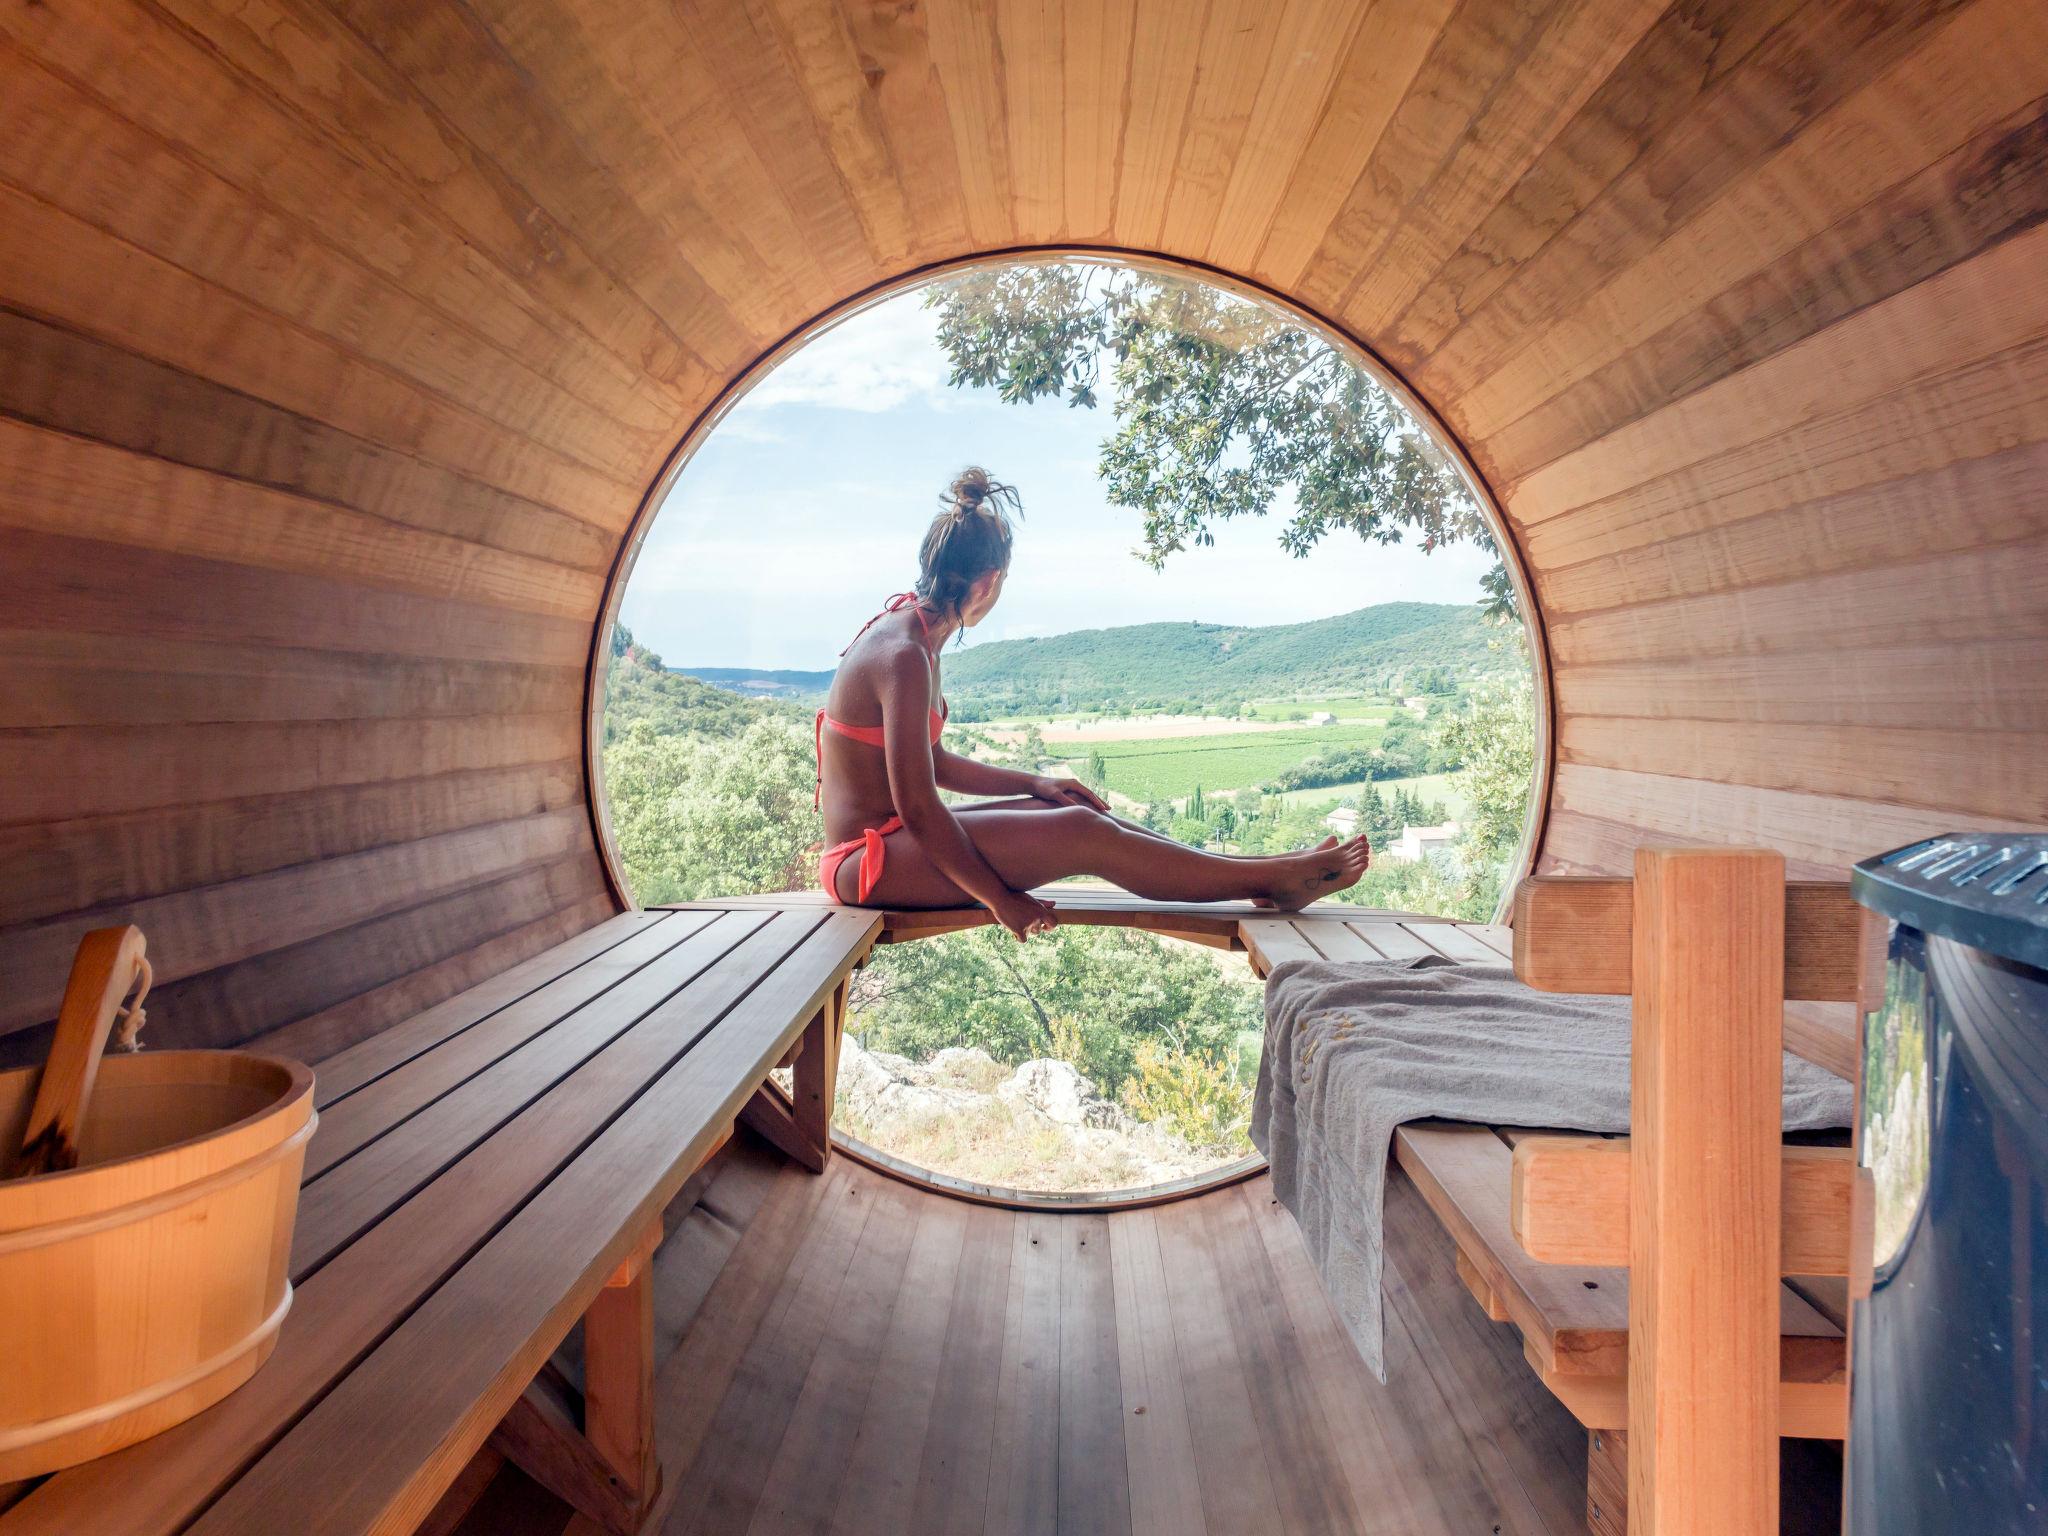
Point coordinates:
pixel 1327 931
pixel 1685 1381
pixel 483 1176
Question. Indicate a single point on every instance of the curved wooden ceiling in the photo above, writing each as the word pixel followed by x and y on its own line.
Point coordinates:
pixel 340 342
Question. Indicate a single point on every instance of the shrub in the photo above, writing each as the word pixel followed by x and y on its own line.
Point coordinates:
pixel 1195 1097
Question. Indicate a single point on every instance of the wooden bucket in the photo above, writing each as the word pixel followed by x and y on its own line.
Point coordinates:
pixel 149 1281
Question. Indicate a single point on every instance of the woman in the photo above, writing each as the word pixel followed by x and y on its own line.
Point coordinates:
pixel 880 770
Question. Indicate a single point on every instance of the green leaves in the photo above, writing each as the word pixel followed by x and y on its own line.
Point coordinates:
pixel 1223 408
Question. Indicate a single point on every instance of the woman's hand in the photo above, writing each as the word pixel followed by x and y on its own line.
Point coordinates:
pixel 1067 792
pixel 1024 914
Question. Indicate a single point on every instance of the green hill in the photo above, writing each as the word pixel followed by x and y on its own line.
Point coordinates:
pixel 767 682
pixel 1389 646
pixel 638 688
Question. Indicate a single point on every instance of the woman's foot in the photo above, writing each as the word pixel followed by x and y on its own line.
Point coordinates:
pixel 1274 858
pixel 1321 871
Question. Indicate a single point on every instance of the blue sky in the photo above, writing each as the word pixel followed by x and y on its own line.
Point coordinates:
pixel 803 511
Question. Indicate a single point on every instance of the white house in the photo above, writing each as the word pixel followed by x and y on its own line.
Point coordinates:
pixel 1343 821
pixel 1416 842
pixel 1322 717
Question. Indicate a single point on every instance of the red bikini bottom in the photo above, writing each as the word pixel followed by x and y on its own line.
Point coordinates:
pixel 870 866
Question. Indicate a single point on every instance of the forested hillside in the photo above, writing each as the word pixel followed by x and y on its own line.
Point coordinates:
pixel 637 687
pixel 768 682
pixel 1399 647
pixel 1391 646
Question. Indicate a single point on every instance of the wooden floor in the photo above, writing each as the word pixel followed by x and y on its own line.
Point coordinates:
pixel 855 1355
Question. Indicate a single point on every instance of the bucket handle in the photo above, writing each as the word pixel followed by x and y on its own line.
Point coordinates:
pixel 109 964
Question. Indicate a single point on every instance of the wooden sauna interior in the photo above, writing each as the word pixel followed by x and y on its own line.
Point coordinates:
pixel 342 342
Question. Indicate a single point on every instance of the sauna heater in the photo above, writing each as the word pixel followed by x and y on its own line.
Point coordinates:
pixel 1949 1381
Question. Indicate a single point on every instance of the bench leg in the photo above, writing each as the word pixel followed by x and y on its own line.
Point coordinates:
pixel 1607 1483
pixel 607 1470
pixel 618 1372
pixel 801 1127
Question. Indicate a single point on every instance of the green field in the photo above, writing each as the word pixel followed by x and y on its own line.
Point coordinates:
pixel 1349 708
pixel 1440 787
pixel 1169 768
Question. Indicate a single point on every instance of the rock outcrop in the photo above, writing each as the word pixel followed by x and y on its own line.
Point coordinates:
pixel 898 1104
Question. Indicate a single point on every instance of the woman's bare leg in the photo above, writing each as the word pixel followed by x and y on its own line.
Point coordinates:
pixel 1033 803
pixel 1031 848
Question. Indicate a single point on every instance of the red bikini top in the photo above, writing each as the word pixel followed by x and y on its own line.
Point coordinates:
pixel 871 735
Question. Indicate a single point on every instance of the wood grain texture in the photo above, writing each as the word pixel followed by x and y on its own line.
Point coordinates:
pixel 798 1364
pixel 1706 1087
pixel 338 350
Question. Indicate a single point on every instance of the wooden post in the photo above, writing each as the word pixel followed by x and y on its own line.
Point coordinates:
pixel 801 1126
pixel 816 1076
pixel 618 1372
pixel 1708 985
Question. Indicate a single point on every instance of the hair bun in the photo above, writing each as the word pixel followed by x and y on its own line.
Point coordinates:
pixel 970 488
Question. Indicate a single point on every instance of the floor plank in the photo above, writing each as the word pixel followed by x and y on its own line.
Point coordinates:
pixel 869 1358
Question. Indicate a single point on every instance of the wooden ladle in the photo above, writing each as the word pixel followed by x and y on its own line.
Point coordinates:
pixel 109 962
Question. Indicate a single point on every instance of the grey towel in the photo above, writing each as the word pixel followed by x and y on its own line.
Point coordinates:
pixel 1355 1049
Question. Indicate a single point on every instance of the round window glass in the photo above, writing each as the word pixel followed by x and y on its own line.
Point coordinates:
pixel 1252 603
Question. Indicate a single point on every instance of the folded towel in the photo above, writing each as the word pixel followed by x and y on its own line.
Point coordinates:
pixel 1354 1050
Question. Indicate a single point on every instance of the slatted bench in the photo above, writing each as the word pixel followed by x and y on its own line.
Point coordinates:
pixel 483 1176
pixel 1725 1354
pixel 1328 930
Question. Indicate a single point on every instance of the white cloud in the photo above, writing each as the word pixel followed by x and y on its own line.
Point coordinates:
pixel 881 360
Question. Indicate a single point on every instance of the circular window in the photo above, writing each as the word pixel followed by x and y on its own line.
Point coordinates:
pixel 1253 602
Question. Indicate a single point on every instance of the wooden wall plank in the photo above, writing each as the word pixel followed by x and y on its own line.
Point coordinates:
pixel 1096 46
pixel 1164 48
pixel 824 63
pixel 1819 57
pixel 1909 117
pixel 108 770
pixel 1919 344
pixel 209 927
pixel 1985 190
pixel 1988 590
pixel 76 155
pixel 1911 686
pixel 1466 64
pixel 1386 53
pixel 1030 66
pixel 66 269
pixel 1971 773
pixel 58 484
pixel 351 150
pixel 1684 54
pixel 811 146
pixel 58 378
pixel 318 994
pixel 1971 504
pixel 93 586
pixel 964 53
pixel 893 47
pixel 1236 47
pixel 107 861
pixel 1575 53
pixel 94 679
pixel 1820 835
pixel 1311 45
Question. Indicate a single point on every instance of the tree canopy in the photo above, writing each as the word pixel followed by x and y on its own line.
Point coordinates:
pixel 1222 407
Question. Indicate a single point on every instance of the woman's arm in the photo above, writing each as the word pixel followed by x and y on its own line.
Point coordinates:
pixel 965 776
pixel 905 688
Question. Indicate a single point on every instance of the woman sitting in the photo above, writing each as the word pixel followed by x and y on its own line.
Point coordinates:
pixel 895 843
